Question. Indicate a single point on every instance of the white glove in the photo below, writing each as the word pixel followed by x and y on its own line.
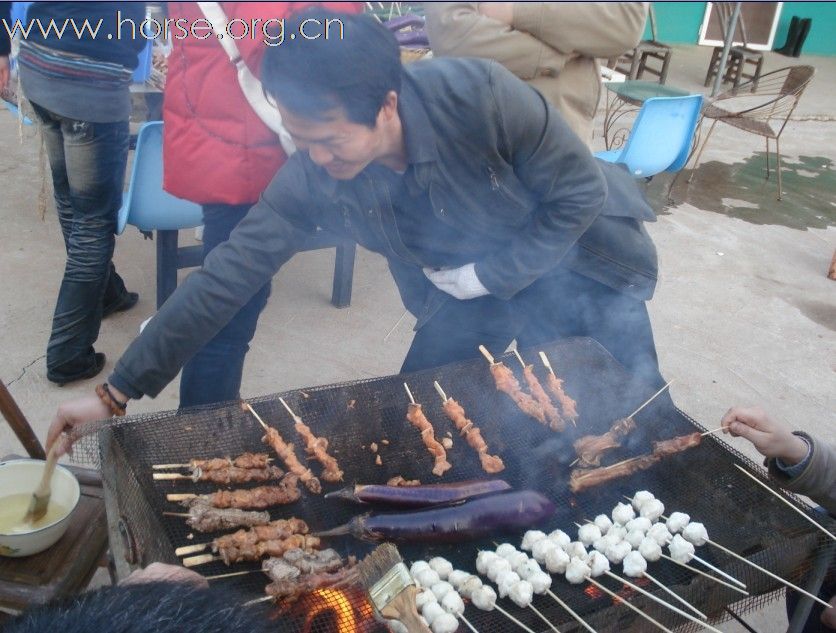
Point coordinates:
pixel 462 283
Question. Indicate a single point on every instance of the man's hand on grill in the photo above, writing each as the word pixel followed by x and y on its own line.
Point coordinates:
pixel 771 438
pixel 462 283
pixel 71 415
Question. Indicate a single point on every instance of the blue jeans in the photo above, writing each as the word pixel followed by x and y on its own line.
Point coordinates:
pixel 214 373
pixel 88 162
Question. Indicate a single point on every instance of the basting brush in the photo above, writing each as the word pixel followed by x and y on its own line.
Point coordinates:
pixel 391 589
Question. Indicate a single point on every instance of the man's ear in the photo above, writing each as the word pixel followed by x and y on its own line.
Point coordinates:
pixel 389 109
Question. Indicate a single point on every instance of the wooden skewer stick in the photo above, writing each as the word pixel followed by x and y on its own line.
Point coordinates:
pixel 169 466
pixel 257 601
pixel 718 571
pixel 651 399
pixel 566 608
pixel 468 624
pixel 231 574
pixel 177 514
pixel 712 432
pixel 544 618
pixel 577 459
pixel 194 561
pixel 768 573
pixel 667 605
pixel 191 549
pixel 409 393
pixel 440 391
pixel 671 592
pixel 248 407
pixel 487 354
pixel 763 485
pixel 709 576
pixel 512 618
pixel 519 358
pixel 170 476
pixel 180 496
pixel 546 362
pixel 618 598
pixel 295 417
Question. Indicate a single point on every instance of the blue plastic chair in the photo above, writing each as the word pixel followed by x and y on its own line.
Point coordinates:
pixel 148 207
pixel 661 137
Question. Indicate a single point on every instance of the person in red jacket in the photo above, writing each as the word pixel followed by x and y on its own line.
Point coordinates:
pixel 219 154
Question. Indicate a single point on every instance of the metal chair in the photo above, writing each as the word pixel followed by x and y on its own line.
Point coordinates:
pixel 150 208
pixel 764 109
pixel 661 137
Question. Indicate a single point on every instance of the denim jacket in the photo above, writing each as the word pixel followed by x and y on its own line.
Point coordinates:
pixel 497 162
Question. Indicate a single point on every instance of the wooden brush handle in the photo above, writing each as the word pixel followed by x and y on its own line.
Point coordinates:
pixel 44 487
pixel 402 608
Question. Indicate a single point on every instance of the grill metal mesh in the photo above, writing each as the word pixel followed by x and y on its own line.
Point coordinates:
pixel 701 482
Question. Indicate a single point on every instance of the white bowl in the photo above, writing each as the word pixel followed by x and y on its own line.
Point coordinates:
pixel 22 476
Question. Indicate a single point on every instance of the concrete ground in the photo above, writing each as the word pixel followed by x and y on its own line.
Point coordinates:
pixel 743 314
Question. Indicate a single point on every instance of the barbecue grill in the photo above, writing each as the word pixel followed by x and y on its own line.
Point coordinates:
pixel 701 481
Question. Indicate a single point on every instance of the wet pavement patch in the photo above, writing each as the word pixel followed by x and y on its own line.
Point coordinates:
pixel 741 190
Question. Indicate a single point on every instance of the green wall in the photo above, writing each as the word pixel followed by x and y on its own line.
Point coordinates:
pixel 679 23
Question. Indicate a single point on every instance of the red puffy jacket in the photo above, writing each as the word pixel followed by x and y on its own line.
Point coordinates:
pixel 215 148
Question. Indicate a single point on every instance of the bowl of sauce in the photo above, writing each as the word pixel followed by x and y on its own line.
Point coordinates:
pixel 18 480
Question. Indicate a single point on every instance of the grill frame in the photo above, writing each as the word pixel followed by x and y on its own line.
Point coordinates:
pixel 124 449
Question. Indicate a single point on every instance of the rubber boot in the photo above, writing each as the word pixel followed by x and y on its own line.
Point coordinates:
pixel 792 36
pixel 804 31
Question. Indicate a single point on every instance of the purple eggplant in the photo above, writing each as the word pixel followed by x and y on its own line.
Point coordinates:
pixel 412 38
pixel 403 21
pixel 420 496
pixel 510 511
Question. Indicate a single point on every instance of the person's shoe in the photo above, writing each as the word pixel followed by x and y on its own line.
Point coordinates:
pixel 125 301
pixel 93 370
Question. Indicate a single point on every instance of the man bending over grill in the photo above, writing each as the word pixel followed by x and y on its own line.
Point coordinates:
pixel 496 221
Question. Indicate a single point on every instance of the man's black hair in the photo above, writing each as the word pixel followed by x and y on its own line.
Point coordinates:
pixel 354 68
pixel 159 607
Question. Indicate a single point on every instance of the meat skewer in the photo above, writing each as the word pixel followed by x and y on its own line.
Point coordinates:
pixel 245 460
pixel 507 383
pixel 556 421
pixel 569 408
pixel 416 417
pixel 227 475
pixel 590 448
pixel 206 518
pixel 287 491
pixel 285 451
pixel 274 530
pixel 316 447
pixel 584 478
pixel 490 463
pixel 255 551
pixel 299 571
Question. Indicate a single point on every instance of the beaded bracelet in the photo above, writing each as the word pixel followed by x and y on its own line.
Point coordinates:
pixel 116 408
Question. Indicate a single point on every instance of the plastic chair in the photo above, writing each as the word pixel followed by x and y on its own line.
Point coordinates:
pixel 148 207
pixel 661 137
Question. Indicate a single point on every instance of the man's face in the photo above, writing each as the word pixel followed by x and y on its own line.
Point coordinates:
pixel 339 146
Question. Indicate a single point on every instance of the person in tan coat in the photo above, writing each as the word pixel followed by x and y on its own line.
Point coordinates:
pixel 551 45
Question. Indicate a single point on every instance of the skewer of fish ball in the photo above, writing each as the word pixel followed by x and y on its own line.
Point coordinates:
pixel 482 596
pixel 439 603
pixel 508 582
pixel 634 565
pixel 530 570
pixel 681 522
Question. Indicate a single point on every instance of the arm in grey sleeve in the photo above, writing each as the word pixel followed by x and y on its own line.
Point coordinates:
pixel 557 166
pixel 231 274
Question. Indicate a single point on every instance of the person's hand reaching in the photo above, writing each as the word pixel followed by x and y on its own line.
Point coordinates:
pixel 73 414
pixel 771 438
pixel 4 72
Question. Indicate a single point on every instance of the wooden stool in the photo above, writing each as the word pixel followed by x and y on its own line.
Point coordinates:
pixel 636 62
pixel 739 58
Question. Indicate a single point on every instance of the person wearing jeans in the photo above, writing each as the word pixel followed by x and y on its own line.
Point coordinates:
pixel 78 88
